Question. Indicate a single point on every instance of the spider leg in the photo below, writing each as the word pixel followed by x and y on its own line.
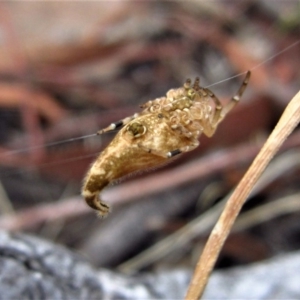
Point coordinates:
pixel 235 99
pixel 118 124
pixel 218 108
pixel 172 152
pixel 211 125
pixel 182 130
pixel 220 111
pixel 194 143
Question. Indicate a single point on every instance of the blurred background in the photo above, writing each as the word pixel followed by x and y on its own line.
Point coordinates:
pixel 68 69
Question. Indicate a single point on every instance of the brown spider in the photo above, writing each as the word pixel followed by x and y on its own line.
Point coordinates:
pixel 166 127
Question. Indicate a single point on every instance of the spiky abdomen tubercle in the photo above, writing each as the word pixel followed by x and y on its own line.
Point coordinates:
pixel 92 187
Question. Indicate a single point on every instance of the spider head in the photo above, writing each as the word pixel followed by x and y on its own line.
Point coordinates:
pixel 191 91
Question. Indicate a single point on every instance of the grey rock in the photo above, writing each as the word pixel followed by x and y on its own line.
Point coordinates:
pixel 31 268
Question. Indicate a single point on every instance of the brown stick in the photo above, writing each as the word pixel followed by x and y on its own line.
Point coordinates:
pixel 288 121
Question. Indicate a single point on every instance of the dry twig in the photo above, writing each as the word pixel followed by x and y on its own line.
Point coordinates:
pixel 288 121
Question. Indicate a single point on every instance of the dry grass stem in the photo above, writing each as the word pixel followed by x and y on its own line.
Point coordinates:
pixel 266 212
pixel 288 121
pixel 204 223
pixel 6 205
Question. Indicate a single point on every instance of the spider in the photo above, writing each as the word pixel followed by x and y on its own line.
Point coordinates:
pixel 166 127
